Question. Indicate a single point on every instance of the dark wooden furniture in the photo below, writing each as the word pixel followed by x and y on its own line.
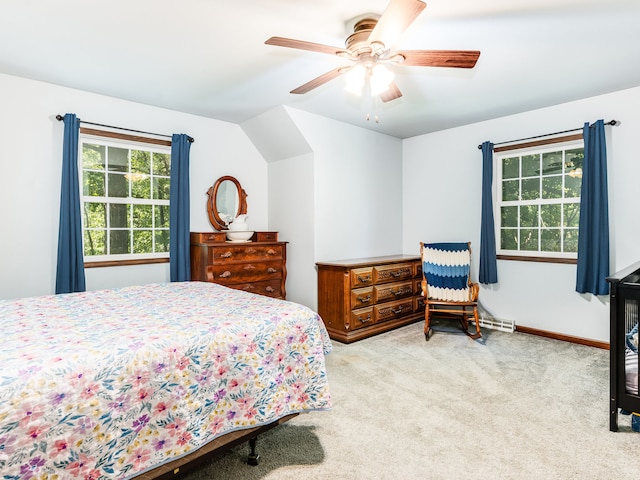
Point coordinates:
pixel 259 266
pixel 363 297
pixel 624 308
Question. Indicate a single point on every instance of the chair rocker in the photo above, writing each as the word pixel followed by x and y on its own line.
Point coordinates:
pixel 446 286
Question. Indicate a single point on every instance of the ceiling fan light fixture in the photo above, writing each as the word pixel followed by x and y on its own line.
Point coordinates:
pixel 355 79
pixel 380 78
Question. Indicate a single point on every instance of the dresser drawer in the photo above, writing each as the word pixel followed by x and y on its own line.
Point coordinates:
pixel 361 297
pixel 392 291
pixel 391 310
pixel 362 317
pixel 392 273
pixel 361 277
pixel 237 253
pixel 269 288
pixel 418 304
pixel 244 272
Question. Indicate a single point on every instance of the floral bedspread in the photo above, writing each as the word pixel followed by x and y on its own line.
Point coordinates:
pixel 111 383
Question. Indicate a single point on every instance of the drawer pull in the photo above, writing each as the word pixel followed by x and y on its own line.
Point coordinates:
pixel 271 251
pixel 364 279
pixel 226 255
pixel 250 267
pixel 270 289
pixel 399 310
pixel 401 291
pixel 225 274
pixel 365 320
pixel 271 270
pixel 247 288
pixel 364 299
pixel 251 250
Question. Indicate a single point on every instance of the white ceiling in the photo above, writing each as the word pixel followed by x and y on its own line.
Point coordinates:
pixel 208 57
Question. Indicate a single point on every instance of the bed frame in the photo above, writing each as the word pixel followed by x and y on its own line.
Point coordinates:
pixel 214 448
pixel 625 299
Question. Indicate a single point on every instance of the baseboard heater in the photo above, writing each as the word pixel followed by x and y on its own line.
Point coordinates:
pixel 497 323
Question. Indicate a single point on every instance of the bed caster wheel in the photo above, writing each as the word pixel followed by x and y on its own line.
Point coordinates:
pixel 254 458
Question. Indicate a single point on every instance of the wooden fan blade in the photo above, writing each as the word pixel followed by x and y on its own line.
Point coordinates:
pixel 396 18
pixel 302 45
pixel 439 58
pixel 391 93
pixel 321 80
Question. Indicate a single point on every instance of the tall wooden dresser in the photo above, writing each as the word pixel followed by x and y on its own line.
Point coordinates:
pixel 259 266
pixel 363 297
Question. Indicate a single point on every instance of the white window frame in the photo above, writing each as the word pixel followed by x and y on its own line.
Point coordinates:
pixel 108 141
pixel 498 203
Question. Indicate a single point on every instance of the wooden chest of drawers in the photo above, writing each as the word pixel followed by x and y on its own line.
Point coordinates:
pixel 363 297
pixel 257 267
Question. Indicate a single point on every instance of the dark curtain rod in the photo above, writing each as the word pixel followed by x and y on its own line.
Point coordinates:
pixel 613 123
pixel 61 117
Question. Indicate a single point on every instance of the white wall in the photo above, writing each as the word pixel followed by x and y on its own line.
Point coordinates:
pixel 442 191
pixel 358 189
pixel 30 162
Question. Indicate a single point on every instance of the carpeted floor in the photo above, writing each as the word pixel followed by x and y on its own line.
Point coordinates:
pixel 509 406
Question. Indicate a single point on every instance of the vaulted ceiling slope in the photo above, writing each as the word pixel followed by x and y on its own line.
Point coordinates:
pixel 208 57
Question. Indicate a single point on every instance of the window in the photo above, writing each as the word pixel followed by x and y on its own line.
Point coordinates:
pixel 125 198
pixel 538 207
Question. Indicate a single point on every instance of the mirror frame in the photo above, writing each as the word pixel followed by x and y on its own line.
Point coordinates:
pixel 212 210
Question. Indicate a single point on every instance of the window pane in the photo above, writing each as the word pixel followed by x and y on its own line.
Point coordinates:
pixel 95 215
pixel 550 239
pixel 142 216
pixel 574 159
pixel 510 190
pixel 140 161
pixel 161 164
pixel 511 167
pixel 529 239
pixel 143 241
pixel 119 215
pixel 140 186
pixel 552 187
pixel 161 188
pixel 531 165
pixel 550 215
pixel 529 216
pixel 509 217
pixel 571 240
pixel 118 185
pixel 572 184
pixel 571 214
pixel 551 163
pixel 94 242
pixel 161 216
pixel 118 159
pixel 93 184
pixel 93 156
pixel 119 242
pixel 508 239
pixel 162 240
pixel 530 188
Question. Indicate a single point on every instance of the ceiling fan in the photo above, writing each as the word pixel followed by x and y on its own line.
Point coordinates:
pixel 369 48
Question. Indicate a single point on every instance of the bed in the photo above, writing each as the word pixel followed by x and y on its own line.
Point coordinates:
pixel 114 384
pixel 623 344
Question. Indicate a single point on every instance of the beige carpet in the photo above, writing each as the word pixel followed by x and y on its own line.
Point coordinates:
pixel 510 406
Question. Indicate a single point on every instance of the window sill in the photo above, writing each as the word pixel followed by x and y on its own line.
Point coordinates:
pixel 568 261
pixel 122 263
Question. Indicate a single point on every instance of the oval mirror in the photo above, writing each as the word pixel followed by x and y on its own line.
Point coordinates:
pixel 227 200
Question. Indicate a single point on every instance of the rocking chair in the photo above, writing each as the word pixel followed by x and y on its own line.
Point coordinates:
pixel 446 285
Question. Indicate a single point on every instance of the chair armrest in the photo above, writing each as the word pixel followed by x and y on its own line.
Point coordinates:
pixel 474 289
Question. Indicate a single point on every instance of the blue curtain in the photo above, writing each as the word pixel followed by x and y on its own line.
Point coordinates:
pixel 488 265
pixel 593 230
pixel 70 268
pixel 179 211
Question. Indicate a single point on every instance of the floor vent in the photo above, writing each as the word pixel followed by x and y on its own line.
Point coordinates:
pixel 497 324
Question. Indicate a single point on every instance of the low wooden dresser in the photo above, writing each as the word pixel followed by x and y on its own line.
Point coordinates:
pixel 258 266
pixel 363 297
